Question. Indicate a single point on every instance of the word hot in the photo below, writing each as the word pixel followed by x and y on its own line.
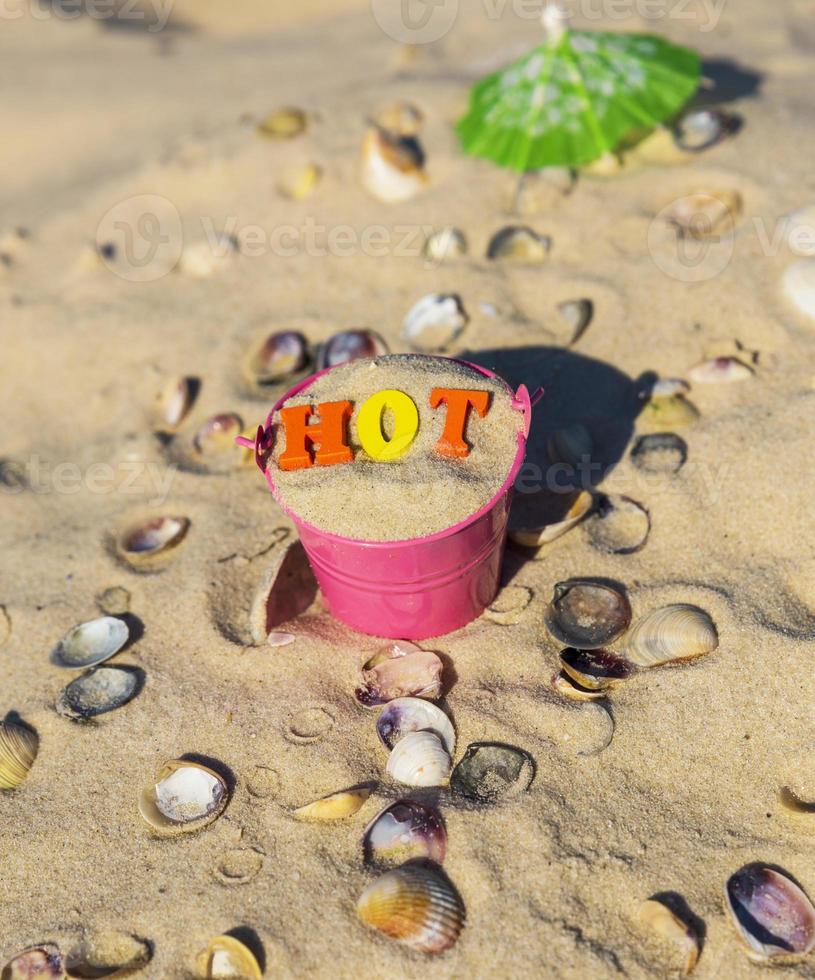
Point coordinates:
pixel 318 435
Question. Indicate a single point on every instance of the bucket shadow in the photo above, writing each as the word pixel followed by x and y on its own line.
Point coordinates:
pixel 591 408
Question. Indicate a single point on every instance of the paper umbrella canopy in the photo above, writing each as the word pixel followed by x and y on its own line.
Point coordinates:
pixel 576 97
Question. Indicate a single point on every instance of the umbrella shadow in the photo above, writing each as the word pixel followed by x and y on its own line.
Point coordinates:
pixel 728 81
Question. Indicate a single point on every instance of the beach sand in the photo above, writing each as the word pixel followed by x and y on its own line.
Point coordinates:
pixel 687 791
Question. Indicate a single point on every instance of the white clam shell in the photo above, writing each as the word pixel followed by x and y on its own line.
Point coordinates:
pixel 435 322
pixel 448 243
pixel 676 632
pixel 392 167
pixel 184 797
pixel 798 285
pixel 404 716
pixel 720 370
pixel 420 759
pixel 91 643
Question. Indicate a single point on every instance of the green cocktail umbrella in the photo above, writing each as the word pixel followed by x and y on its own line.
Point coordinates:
pixel 576 97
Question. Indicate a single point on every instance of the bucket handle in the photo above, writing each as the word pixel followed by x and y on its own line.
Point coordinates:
pixel 524 403
pixel 262 444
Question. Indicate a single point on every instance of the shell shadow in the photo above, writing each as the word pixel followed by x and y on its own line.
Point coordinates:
pixel 13 718
pixel 680 908
pixel 730 81
pixel 252 941
pixel 216 766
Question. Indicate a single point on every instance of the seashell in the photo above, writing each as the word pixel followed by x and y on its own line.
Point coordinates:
pixel 518 243
pixel 620 526
pixel 13 477
pixel 597 670
pixel 337 806
pixel 435 322
pixel 5 625
pixel 200 260
pixel 571 445
pixel 114 601
pixel 228 957
pixel 587 615
pixel 184 797
pixel 298 183
pixel 286 591
pixel 798 284
pixel 281 355
pixel 704 214
pixel 36 963
pixel 350 345
pixel 539 191
pixel 98 691
pixel 283 124
pixel 401 118
pixel 569 688
pixel 406 715
pixel 175 401
pixel 578 314
pixel 91 643
pixel 667 924
pixel 107 954
pixel 392 166
pixel 667 388
pixel 558 513
pixel 150 543
pixel 444 245
pixel 490 772
pixel 720 370
pixel 701 129
pixel 677 632
pixel 774 919
pixel 416 905
pixel 791 801
pixel 662 452
pixel 799 231
pixel 18 750
pixel 217 435
pixel 280 639
pixel 669 413
pixel 404 831
pixel 398 671
pixel 419 759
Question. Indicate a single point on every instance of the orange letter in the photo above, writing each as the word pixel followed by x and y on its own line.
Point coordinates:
pixel 458 404
pixel 330 434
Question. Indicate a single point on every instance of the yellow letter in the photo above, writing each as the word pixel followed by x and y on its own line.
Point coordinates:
pixel 369 425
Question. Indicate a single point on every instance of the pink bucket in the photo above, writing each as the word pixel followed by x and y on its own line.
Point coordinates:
pixel 416 588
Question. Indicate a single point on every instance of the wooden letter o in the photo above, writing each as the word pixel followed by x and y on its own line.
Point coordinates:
pixel 369 425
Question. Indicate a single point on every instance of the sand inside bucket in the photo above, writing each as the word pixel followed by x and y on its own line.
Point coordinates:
pixel 423 492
